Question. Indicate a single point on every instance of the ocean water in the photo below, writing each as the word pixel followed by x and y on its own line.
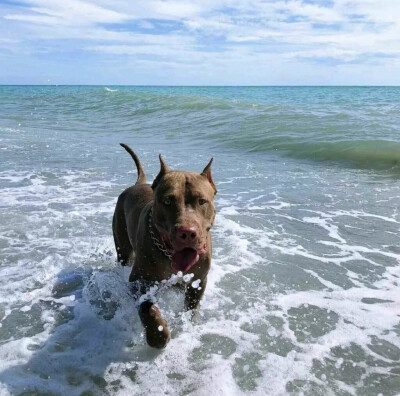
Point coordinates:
pixel 303 296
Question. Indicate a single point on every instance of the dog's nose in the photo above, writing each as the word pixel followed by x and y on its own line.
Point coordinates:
pixel 186 234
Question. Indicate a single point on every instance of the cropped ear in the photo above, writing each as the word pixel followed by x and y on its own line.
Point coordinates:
pixel 163 170
pixel 207 173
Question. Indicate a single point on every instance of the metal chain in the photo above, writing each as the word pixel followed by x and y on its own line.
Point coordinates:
pixel 161 246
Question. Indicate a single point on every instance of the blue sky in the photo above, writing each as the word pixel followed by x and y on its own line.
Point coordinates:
pixel 200 42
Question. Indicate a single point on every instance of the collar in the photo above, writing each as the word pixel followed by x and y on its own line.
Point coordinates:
pixel 160 245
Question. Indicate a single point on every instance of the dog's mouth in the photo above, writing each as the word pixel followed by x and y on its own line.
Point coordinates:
pixel 184 259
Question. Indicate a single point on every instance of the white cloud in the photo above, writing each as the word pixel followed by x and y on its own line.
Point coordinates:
pixel 71 12
pixel 216 34
pixel 177 9
pixel 311 12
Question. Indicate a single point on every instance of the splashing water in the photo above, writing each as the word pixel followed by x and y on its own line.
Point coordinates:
pixel 302 297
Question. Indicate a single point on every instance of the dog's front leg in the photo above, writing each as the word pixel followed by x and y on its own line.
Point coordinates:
pixel 156 328
pixel 194 293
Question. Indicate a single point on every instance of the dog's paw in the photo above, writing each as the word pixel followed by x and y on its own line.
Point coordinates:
pixel 157 331
pixel 158 334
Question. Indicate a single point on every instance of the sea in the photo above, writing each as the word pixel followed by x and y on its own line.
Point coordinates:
pixel 303 295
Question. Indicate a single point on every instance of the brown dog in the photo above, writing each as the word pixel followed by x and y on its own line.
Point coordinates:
pixel 167 227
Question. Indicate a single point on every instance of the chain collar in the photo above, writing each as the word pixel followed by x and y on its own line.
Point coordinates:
pixel 160 245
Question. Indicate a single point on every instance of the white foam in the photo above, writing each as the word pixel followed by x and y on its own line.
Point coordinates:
pixel 242 341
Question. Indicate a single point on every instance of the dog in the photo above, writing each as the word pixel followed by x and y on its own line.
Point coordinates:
pixel 164 228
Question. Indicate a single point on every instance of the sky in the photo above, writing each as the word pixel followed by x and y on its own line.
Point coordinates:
pixel 200 42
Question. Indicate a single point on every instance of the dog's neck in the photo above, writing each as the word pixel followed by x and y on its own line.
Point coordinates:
pixel 153 235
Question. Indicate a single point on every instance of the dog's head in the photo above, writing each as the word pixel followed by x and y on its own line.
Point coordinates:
pixel 184 212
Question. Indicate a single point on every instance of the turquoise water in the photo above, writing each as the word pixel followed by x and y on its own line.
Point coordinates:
pixel 303 293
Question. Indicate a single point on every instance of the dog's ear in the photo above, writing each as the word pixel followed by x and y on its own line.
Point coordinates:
pixel 163 170
pixel 207 173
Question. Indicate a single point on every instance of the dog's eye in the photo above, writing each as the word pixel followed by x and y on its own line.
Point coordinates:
pixel 202 201
pixel 166 201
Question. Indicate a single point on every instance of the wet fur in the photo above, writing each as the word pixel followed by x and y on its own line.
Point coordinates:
pixel 132 237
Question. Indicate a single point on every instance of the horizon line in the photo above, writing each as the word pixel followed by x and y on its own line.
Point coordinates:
pixel 200 86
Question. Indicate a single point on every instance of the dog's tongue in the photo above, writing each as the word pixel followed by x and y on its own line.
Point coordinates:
pixel 184 259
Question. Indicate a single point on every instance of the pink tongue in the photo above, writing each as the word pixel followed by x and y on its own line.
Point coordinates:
pixel 184 259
